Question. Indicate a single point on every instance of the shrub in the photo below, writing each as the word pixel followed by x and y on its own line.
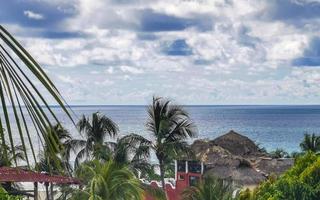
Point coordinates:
pixel 301 182
pixel 5 196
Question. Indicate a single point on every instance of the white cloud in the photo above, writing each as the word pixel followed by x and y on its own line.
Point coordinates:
pixel 242 59
pixel 32 15
pixel 110 70
pixel 66 79
pixel 131 70
pixel 104 83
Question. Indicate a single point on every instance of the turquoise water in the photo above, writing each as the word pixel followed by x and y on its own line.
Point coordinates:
pixel 270 126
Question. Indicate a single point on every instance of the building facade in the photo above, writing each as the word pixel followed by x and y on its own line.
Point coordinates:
pixel 187 173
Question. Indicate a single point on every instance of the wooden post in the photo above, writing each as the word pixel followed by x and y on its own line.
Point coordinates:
pixel 51 191
pixel 35 184
pixel 47 190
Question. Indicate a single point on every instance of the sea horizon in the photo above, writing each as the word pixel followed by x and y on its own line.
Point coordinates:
pixel 271 126
pixel 187 105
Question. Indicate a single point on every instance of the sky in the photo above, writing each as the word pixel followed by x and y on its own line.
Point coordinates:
pixel 191 51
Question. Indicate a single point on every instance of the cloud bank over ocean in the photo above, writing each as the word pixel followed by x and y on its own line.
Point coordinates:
pixel 195 51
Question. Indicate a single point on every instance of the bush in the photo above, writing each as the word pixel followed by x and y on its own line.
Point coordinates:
pixel 247 194
pixel 5 196
pixel 301 182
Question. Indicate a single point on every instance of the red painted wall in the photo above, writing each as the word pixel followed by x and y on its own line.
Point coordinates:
pixel 174 193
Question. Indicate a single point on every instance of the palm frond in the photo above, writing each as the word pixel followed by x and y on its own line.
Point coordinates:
pixel 19 94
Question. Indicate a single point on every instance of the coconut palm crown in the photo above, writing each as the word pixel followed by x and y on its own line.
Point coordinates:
pixel 95 130
pixel 310 143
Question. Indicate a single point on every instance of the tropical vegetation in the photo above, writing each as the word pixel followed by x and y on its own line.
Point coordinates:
pixel 210 188
pixel 95 130
pixel 108 181
pixel 301 182
pixel 311 142
pixel 169 126
pixel 5 196
pixel 22 97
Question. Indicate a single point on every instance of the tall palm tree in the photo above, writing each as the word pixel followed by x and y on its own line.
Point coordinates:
pixel 20 95
pixel 95 130
pixel 310 143
pixel 169 126
pixel 210 188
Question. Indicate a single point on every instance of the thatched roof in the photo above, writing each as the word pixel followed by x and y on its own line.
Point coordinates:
pixel 275 166
pixel 237 144
pixel 235 157
pixel 240 176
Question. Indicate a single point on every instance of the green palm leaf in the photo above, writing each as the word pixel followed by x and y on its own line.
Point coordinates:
pixel 19 95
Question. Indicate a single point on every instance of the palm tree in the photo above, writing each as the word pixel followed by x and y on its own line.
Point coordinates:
pixel 56 162
pixel 132 151
pixel 310 143
pixel 210 188
pixel 108 181
pixel 21 96
pixel 170 127
pixel 8 159
pixel 95 131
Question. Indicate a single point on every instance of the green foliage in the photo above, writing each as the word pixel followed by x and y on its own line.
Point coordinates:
pixel 169 126
pixel 109 181
pixel 56 162
pixel 22 97
pixel 310 143
pixel 210 188
pixel 301 182
pixel 247 194
pixel 7 155
pixel 5 196
pixel 133 151
pixel 279 153
pixel 95 130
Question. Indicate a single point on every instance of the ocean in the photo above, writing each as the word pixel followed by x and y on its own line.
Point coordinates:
pixel 269 126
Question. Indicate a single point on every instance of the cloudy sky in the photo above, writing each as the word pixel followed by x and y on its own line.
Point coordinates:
pixel 193 51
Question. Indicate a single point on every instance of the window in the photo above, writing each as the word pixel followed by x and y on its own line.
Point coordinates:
pixel 194 167
pixel 181 177
pixel 193 180
pixel 182 166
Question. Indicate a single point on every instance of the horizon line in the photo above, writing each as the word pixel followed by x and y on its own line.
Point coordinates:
pixel 74 105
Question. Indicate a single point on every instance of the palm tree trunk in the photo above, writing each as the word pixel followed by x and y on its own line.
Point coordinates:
pixel 161 166
pixel 47 191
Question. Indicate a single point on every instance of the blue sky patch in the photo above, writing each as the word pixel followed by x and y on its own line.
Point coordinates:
pixel 62 34
pixel 292 10
pixel 152 21
pixel 178 48
pixel 15 11
pixel 311 55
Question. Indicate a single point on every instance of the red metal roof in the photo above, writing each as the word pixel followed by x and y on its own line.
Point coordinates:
pixel 10 174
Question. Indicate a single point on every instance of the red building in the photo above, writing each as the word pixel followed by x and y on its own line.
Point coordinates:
pixel 187 173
